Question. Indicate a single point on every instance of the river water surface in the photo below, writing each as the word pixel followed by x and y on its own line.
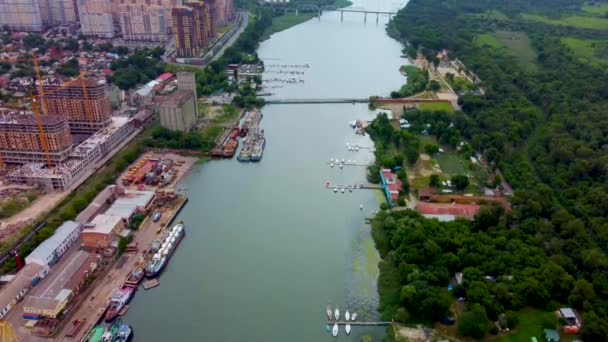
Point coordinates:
pixel 267 246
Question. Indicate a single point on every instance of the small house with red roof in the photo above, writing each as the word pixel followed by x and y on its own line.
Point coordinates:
pixel 391 185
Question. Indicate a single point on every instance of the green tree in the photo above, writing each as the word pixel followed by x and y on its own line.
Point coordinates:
pixel 434 180
pixel 431 149
pixel 434 85
pixel 460 182
pixel 473 322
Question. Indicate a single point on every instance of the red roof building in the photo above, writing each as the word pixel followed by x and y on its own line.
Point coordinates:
pixel 448 212
pixel 391 185
pixel 165 77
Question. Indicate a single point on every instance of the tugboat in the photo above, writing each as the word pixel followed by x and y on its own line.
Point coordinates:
pixel 122 331
pixel 168 246
pixel 119 299
pixel 95 335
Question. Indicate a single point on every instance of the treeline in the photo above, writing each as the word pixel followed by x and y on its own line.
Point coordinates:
pixel 546 129
pixel 161 137
pixel 417 81
pixel 142 66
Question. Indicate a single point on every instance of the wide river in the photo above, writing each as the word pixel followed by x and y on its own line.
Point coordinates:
pixel 268 247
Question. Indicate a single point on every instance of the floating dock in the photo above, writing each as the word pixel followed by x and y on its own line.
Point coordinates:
pixel 150 284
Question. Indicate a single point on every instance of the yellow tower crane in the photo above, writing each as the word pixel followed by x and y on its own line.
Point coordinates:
pixel 7 333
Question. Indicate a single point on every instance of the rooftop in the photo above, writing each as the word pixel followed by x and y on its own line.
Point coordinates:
pixel 164 77
pixel 458 210
pixel 102 224
pixel 22 279
pixel 50 244
pixel 125 206
pixel 22 117
pixel 177 99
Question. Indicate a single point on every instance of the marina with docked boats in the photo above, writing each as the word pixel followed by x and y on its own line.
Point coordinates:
pixel 249 133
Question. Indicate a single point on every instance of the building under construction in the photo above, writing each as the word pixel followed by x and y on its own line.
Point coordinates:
pixel 83 101
pixel 21 141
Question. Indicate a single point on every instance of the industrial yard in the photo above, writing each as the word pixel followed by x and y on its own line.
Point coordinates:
pixel 58 293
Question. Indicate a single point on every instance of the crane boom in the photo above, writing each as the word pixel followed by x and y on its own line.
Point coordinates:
pixel 43 141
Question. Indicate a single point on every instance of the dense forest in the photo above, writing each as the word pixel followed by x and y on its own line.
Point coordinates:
pixel 545 126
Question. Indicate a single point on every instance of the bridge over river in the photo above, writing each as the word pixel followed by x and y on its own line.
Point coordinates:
pixel 311 101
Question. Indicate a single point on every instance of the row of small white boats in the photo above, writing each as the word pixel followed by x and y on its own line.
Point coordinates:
pixel 335 316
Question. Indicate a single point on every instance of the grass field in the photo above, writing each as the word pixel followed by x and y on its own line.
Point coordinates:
pixel 488 40
pixel 588 51
pixel 531 324
pixel 450 163
pixel 519 45
pixel 286 21
pixel 597 9
pixel 436 107
pixel 589 22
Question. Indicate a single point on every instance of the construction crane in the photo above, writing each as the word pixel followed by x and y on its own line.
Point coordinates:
pixel 43 141
pixel 7 333
pixel 41 110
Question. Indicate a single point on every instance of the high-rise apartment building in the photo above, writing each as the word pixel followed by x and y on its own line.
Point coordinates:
pixel 142 20
pixel 202 22
pixel 58 12
pixel 21 15
pixel 184 32
pixel 96 17
pixel 149 20
pixel 21 142
pixel 212 8
pixel 87 108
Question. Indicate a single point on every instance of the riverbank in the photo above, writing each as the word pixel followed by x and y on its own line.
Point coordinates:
pixel 284 22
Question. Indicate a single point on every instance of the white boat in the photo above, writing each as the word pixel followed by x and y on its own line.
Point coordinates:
pixel 331 164
pixel 347 328
pixel 329 315
pixel 335 189
pixel 337 314
pixel 341 165
pixel 353 317
pixel 360 208
pixel 342 190
pixel 334 331
pixel 347 315
pixel 342 160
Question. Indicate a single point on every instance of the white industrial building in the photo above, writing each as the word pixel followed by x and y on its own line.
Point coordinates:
pixel 49 252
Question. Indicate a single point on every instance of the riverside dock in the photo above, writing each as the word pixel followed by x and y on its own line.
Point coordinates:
pixel 380 323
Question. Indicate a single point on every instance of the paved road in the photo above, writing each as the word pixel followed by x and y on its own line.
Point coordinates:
pixel 244 21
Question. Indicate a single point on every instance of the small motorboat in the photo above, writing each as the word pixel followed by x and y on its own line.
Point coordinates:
pixel 329 315
pixel 347 315
pixel 337 314
pixel 342 190
pixel 331 164
pixel 334 331
pixel 360 208
pixel 353 316
pixel 347 328
pixel 327 327
pixel 342 160
pixel 341 165
pixel 331 160
pixel 335 189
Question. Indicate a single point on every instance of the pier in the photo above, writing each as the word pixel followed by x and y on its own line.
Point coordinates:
pixel 380 323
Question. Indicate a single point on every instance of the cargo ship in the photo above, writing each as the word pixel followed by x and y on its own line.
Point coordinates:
pixel 251 122
pixel 245 154
pixel 119 299
pixel 229 148
pixel 168 246
pixel 258 149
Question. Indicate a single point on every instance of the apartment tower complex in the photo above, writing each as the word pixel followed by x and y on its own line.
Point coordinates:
pixel 96 17
pixel 87 108
pixel 184 32
pixel 21 15
pixel 21 142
